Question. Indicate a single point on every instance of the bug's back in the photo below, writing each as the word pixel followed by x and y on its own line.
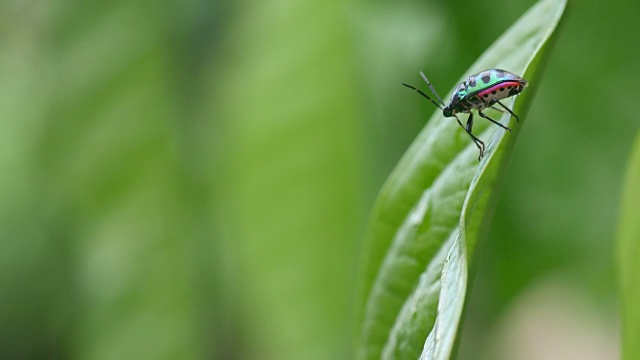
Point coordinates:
pixel 484 89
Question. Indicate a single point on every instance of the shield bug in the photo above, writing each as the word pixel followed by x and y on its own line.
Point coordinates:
pixel 480 91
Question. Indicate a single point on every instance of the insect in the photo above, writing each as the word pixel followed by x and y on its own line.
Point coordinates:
pixel 480 91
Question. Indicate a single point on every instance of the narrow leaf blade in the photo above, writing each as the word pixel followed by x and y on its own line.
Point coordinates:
pixel 433 207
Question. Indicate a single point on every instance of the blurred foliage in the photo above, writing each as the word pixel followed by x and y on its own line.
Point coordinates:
pixel 628 252
pixel 191 179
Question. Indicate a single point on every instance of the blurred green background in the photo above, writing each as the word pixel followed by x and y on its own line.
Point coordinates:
pixel 191 179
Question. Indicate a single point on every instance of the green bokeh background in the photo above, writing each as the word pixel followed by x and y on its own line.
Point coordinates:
pixel 191 179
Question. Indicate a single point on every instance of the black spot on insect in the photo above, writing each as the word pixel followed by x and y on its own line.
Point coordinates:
pixel 486 79
pixel 486 96
pixel 494 92
pixel 472 82
pixel 510 87
pixel 513 92
pixel 501 89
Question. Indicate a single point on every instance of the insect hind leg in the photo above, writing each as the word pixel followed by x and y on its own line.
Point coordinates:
pixel 508 110
pixel 493 121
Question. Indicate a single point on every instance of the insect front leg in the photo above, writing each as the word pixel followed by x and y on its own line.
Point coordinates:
pixel 468 129
pixel 493 121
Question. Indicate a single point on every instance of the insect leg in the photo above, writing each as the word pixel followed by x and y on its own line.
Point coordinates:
pixel 468 129
pixel 493 121
pixel 509 110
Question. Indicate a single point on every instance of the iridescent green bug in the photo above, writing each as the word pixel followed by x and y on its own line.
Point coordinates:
pixel 480 91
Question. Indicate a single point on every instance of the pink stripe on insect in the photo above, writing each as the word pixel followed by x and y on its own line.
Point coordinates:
pixel 504 85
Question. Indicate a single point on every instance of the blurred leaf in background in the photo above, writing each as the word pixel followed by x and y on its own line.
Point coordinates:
pixel 106 219
pixel 190 179
pixel 290 199
pixel 628 252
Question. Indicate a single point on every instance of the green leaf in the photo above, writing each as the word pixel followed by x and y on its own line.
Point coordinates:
pixel 288 196
pixel 434 207
pixel 628 254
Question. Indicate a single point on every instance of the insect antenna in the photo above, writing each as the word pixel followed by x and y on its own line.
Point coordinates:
pixel 433 90
pixel 424 95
